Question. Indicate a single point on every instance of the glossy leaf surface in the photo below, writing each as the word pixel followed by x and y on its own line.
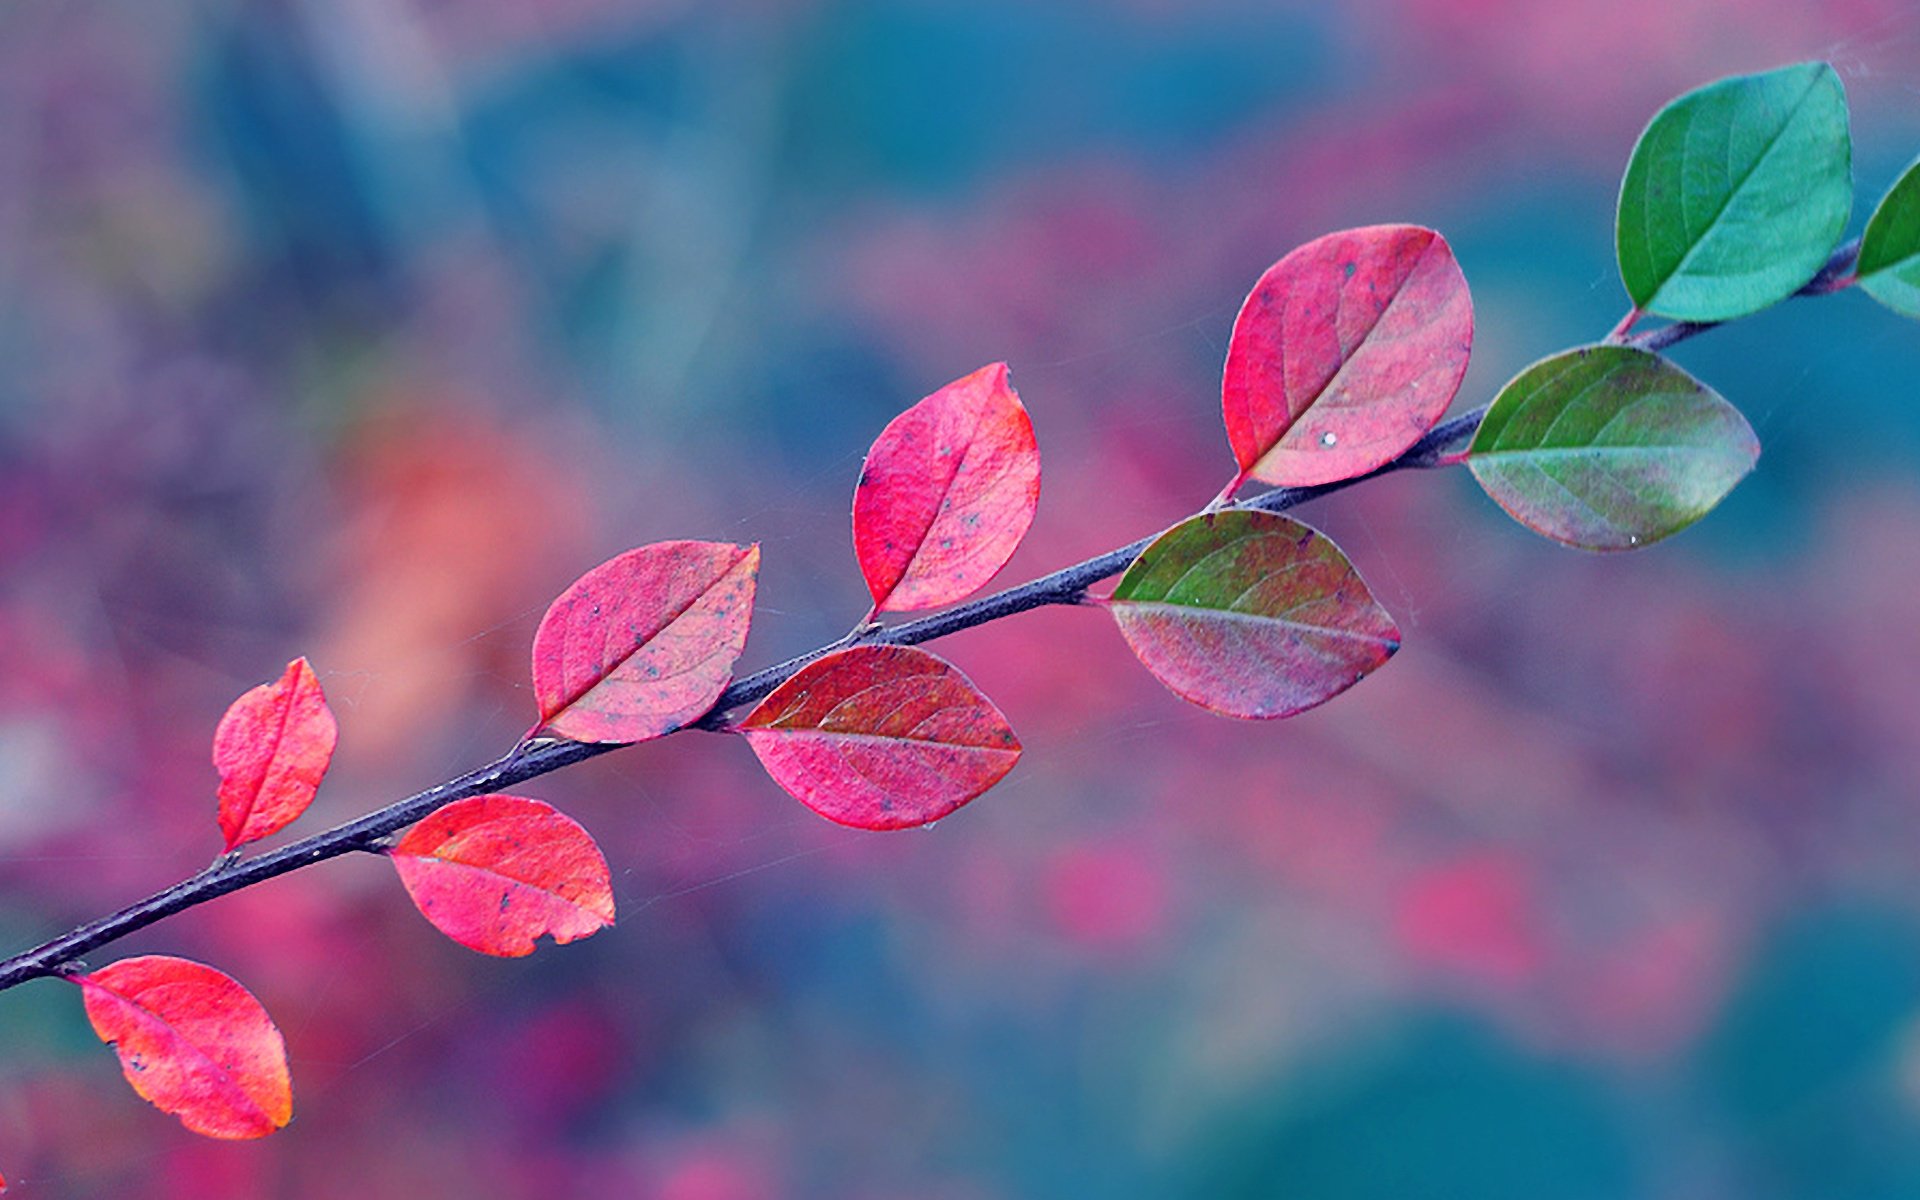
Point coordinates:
pixel 644 641
pixel 272 748
pixel 497 872
pixel 881 737
pixel 1736 194
pixel 1609 448
pixel 1889 263
pixel 1345 352
pixel 194 1043
pixel 947 493
pixel 1251 614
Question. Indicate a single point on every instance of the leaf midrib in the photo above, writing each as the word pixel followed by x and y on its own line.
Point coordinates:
pixel 1193 611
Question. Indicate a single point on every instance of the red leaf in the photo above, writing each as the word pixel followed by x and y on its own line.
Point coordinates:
pixel 271 749
pixel 1347 350
pixel 881 737
pixel 644 642
pixel 495 872
pixel 193 1043
pixel 947 493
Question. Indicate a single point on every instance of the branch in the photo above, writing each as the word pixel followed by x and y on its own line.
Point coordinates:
pixel 229 874
pixel 531 759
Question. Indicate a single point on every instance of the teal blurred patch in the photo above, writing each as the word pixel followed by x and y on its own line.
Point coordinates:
pixel 1442 1109
pixel 1805 1062
pixel 937 97
pixel 268 112
pixel 45 1023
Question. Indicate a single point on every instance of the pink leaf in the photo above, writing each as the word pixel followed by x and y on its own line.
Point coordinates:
pixel 1347 350
pixel 947 493
pixel 496 872
pixel 193 1043
pixel 881 737
pixel 271 749
pixel 644 642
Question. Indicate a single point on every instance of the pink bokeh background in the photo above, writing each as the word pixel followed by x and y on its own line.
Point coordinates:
pixel 359 331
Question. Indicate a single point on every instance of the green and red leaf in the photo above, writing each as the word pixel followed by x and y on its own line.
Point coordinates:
pixel 1346 351
pixel 1609 448
pixel 1251 614
pixel 947 493
pixel 194 1043
pixel 497 872
pixel 272 748
pixel 1889 262
pixel 643 642
pixel 881 737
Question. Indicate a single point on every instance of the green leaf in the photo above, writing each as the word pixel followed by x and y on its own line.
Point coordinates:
pixel 1736 194
pixel 1609 448
pixel 1251 614
pixel 1889 264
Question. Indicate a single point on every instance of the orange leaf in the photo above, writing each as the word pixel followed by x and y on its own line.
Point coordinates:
pixel 947 493
pixel 881 737
pixel 193 1043
pixel 271 749
pixel 644 642
pixel 495 872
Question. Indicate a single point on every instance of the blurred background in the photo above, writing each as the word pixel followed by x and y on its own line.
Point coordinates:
pixel 359 329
